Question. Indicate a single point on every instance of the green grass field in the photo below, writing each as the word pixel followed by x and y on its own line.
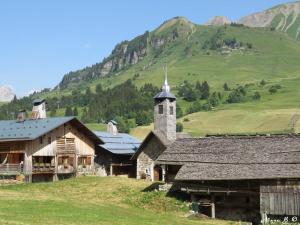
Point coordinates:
pixel 92 200
pixel 236 121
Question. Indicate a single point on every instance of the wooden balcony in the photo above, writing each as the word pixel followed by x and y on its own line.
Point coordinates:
pixel 11 169
pixel 39 168
pixel 65 168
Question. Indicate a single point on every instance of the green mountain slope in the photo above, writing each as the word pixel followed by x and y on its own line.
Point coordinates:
pixel 284 18
pixel 237 55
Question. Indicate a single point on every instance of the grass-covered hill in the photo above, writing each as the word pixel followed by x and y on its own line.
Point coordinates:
pixel 237 55
pixel 93 200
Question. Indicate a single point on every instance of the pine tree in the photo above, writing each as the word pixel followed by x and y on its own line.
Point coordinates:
pixel 226 87
pixel 69 111
pixel 205 90
pixel 75 111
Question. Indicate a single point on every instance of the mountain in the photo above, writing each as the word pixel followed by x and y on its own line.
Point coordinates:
pixel 129 53
pixel 6 94
pixel 260 66
pixel 285 18
pixel 218 21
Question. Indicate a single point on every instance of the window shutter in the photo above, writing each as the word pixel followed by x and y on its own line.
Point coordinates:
pixel 71 161
pixel 88 161
pixel 60 161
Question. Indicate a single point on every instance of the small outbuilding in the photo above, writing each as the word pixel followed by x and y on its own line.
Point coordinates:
pixel 113 156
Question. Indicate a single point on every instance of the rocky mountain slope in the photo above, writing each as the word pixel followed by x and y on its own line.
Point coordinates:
pixel 6 94
pixel 218 21
pixel 128 53
pixel 285 18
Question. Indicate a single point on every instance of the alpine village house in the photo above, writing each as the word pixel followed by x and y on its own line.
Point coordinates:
pixel 47 149
pixel 248 178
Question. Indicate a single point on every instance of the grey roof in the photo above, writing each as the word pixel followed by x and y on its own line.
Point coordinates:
pixel 12 130
pixel 38 101
pixel 153 134
pixel 205 171
pixel 118 144
pixel 164 95
pixel 235 157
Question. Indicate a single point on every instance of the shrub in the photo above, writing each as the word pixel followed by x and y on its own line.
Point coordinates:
pixel 263 82
pixel 186 119
pixel 179 127
pixel 256 96
pixel 274 88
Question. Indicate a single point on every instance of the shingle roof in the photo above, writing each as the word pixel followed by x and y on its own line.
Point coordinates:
pixel 153 134
pixel 235 157
pixel 119 144
pixel 206 171
pixel 12 130
pixel 164 95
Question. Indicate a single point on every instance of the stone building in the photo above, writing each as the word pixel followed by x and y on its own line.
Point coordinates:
pixel 157 141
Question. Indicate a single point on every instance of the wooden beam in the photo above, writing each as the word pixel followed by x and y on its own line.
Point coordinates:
pixel 213 207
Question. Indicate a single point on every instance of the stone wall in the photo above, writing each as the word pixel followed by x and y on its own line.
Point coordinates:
pixel 145 161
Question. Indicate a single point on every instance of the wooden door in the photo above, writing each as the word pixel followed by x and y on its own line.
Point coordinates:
pixel 156 173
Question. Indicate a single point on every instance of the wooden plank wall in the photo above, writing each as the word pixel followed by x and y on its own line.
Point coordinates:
pixel 84 146
pixel 280 199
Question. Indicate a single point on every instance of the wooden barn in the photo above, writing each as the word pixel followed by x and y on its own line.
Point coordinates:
pixel 249 178
pixel 113 156
pixel 45 149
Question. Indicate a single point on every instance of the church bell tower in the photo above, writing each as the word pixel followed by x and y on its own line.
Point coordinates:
pixel 165 111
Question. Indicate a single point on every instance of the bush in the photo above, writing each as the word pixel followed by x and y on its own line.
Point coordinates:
pixel 263 82
pixel 186 119
pixel 226 87
pixel 274 88
pixel 237 95
pixel 179 127
pixel 256 96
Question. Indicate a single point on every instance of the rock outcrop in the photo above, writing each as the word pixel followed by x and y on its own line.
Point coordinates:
pixel 281 17
pixel 218 21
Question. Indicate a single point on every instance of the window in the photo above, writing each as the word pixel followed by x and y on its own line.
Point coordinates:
pixel 41 140
pixel 49 140
pixel 84 161
pixel 160 109
pixel 171 110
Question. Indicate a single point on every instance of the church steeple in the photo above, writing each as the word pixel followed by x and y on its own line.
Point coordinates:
pixel 166 87
pixel 165 111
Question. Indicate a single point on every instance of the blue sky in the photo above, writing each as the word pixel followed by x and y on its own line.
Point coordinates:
pixel 40 41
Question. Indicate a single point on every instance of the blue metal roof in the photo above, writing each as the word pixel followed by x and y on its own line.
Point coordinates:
pixel 119 144
pixel 29 129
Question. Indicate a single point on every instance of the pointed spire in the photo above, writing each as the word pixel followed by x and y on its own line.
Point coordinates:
pixel 166 87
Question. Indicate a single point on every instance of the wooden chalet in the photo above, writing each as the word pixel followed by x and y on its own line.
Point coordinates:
pixel 45 149
pixel 113 156
pixel 249 178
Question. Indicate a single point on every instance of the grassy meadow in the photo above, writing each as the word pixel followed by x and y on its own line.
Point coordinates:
pixel 92 200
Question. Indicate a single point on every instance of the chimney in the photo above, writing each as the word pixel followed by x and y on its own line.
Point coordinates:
pixel 112 127
pixel 21 116
pixel 39 109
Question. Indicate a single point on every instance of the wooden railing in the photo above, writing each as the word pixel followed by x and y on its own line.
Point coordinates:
pixel 43 168
pixel 11 169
